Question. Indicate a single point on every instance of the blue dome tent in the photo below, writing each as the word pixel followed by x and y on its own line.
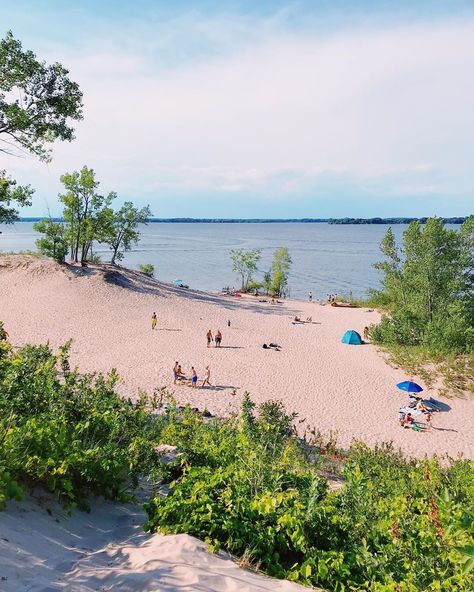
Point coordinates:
pixel 352 338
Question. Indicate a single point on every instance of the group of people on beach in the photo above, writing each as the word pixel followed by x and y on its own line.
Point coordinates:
pixel 192 379
pixel 407 415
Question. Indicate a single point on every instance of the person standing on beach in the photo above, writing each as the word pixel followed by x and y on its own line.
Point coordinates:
pixel 310 296
pixel 153 321
pixel 209 338
pixel 228 323
pixel 207 377
pixel 194 377
pixel 218 338
pixel 175 372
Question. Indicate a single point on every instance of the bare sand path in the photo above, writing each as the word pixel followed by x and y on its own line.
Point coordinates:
pixel 332 386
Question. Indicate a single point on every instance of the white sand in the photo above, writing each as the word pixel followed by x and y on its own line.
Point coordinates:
pixel 332 386
pixel 42 549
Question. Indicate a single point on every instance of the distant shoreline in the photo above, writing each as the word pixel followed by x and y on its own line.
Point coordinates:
pixel 355 221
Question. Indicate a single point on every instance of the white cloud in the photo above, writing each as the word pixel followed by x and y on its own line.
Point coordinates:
pixel 279 113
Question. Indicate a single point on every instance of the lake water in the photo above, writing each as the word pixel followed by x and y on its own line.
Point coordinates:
pixel 326 258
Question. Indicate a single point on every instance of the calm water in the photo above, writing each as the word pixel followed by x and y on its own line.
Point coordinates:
pixel 326 258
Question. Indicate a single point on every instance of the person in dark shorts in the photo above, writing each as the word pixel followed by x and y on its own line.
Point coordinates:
pixel 218 338
pixel 175 372
pixel 209 338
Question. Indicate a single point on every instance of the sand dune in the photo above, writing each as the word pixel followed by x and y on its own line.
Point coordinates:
pixel 332 386
pixel 42 549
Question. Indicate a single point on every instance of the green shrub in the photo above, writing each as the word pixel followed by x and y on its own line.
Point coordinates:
pixel 70 432
pixel 147 269
pixel 247 485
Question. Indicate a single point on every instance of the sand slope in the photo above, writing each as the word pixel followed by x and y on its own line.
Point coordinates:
pixel 332 386
pixel 42 549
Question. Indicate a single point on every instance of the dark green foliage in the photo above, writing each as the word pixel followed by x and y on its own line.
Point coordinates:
pixel 247 485
pixel 68 431
pixel 428 288
pixel 36 101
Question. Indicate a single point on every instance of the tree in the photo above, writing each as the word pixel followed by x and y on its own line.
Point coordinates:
pixel 428 287
pixel 267 280
pixel 36 101
pixel 121 228
pixel 10 194
pixel 54 243
pixel 244 263
pixel 85 213
pixel 280 267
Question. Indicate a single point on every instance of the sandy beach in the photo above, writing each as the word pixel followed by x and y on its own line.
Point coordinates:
pixel 332 386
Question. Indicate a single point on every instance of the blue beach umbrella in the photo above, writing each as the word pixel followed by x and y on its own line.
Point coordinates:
pixel 409 386
pixel 177 282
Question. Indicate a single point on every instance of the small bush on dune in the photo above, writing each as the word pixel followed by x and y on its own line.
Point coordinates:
pixel 147 268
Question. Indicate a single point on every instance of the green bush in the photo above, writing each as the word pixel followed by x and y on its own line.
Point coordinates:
pixel 247 484
pixel 147 269
pixel 70 432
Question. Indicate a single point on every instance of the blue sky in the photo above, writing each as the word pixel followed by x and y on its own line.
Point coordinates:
pixel 263 109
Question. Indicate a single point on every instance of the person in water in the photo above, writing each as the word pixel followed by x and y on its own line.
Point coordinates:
pixel 194 377
pixel 310 296
pixel 153 321
pixel 209 338
pixel 207 377
pixel 218 338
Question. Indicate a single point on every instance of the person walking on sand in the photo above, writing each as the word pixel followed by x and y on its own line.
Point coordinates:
pixel 218 338
pixel 228 323
pixel 153 321
pixel 310 296
pixel 194 377
pixel 366 334
pixel 207 377
pixel 175 372
pixel 209 338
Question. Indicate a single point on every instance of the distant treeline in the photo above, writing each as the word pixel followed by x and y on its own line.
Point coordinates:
pixel 456 220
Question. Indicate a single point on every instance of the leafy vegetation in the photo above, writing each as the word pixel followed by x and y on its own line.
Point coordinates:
pixel 54 243
pixel 280 268
pixel 247 484
pixel 428 302
pixel 245 264
pixel 37 102
pixel 88 219
pixel 147 268
pixel 70 432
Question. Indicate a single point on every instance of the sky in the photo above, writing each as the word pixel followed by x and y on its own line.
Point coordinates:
pixel 268 109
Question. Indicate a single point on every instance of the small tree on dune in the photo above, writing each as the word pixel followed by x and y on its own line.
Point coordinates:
pixel 244 263
pixel 280 268
pixel 54 243
pixel 121 228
